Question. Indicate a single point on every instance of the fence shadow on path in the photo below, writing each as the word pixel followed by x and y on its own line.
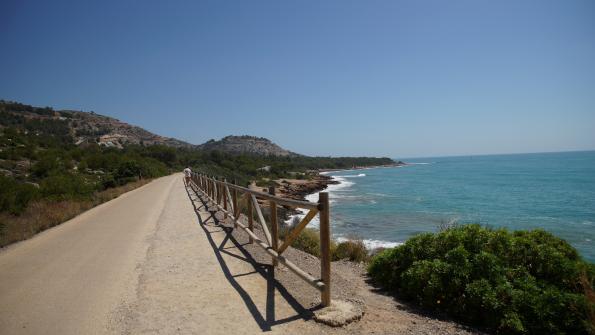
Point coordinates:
pixel 212 225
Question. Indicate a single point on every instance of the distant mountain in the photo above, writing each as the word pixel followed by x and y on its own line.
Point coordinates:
pixel 246 145
pixel 82 127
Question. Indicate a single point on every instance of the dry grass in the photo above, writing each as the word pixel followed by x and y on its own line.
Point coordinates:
pixel 308 240
pixel 353 250
pixel 44 214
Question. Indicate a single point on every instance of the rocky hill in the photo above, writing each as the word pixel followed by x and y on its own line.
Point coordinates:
pixel 112 132
pixel 247 145
pixel 82 127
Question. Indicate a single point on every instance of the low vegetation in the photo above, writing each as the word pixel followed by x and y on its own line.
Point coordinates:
pixel 42 214
pixel 309 241
pixel 522 282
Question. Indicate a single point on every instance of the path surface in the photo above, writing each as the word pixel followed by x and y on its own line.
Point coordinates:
pixel 142 263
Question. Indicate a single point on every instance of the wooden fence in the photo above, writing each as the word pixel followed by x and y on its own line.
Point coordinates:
pixel 231 198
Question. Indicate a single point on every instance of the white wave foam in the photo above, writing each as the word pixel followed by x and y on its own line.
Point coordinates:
pixel 342 183
pixel 334 191
pixel 352 175
pixel 314 223
pixel 373 244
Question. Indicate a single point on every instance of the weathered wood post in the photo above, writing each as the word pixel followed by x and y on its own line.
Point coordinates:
pixel 215 190
pixel 210 187
pixel 325 242
pixel 207 186
pixel 225 200
pixel 234 197
pixel 250 217
pixel 274 228
pixel 210 184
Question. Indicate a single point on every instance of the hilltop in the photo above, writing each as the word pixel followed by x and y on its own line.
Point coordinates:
pixel 245 144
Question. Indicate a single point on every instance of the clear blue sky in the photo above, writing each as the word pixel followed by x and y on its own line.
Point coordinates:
pixel 396 78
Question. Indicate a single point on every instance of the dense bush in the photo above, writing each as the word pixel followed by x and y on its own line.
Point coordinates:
pixel 15 196
pixel 66 186
pixel 523 282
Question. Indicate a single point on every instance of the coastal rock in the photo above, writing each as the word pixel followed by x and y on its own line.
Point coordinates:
pixel 298 189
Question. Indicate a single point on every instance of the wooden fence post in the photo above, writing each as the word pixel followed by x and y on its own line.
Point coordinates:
pixel 217 191
pixel 211 186
pixel 250 217
pixel 234 198
pixel 225 200
pixel 274 227
pixel 325 241
pixel 207 188
pixel 214 187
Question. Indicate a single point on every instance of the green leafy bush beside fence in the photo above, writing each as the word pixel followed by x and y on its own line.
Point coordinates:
pixel 522 282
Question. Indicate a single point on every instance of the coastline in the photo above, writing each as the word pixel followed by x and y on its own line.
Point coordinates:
pixel 300 189
pixel 306 190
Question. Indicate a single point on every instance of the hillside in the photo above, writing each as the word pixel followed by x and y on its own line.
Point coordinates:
pixel 249 145
pixel 81 127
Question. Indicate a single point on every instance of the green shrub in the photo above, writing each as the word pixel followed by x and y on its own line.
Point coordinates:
pixel 308 241
pixel 66 186
pixel 353 250
pixel 523 282
pixel 15 196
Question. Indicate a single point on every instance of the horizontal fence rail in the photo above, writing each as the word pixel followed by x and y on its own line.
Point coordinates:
pixel 231 199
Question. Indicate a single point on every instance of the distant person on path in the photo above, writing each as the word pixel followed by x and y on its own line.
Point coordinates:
pixel 187 174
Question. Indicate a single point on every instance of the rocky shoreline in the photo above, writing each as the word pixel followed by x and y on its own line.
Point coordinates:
pixel 298 189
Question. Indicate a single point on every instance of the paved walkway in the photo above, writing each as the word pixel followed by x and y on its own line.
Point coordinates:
pixel 151 261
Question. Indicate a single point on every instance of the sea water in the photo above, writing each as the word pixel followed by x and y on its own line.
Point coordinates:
pixel 386 206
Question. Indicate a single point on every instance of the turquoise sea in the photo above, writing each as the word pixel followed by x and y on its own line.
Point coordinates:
pixel 553 191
